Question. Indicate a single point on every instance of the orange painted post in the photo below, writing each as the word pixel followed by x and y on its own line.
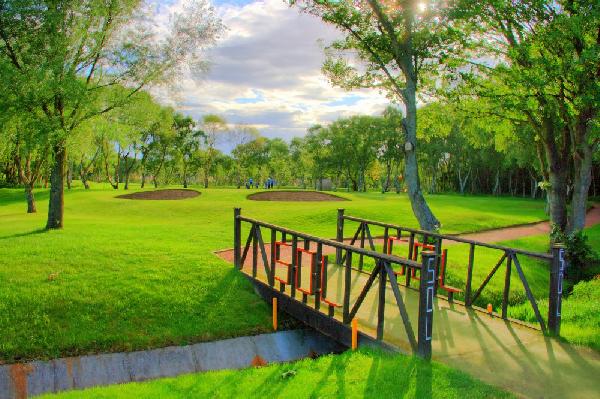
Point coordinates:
pixel 275 314
pixel 354 334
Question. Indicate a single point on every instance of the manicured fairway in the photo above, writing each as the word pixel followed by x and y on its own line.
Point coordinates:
pixel 362 374
pixel 127 275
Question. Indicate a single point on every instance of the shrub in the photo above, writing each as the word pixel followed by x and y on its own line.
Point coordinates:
pixel 583 261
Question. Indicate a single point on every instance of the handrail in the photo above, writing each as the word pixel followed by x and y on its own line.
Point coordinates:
pixel 386 275
pixel 538 255
pixel 335 244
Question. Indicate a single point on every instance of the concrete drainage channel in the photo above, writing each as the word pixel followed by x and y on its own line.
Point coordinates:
pixel 29 379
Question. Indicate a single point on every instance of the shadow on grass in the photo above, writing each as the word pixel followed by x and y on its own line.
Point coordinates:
pixel 9 196
pixel 25 234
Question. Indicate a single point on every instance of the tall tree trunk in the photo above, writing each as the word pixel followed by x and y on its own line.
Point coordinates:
pixel 557 197
pixel 582 180
pixel 432 187
pixel 388 174
pixel 57 188
pixel 462 183
pixel 558 173
pixel 208 165
pixel 31 208
pixel 160 166
pixel 421 210
pixel 118 170
pixel 184 173
pixel 128 168
pixel 497 183
pixel 69 175
pixel 84 180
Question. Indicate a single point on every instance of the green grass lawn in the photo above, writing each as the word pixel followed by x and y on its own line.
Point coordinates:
pixel 128 275
pixel 362 374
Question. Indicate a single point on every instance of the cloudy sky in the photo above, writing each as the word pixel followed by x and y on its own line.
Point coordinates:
pixel 265 71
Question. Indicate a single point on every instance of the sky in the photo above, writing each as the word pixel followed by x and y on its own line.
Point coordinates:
pixel 266 71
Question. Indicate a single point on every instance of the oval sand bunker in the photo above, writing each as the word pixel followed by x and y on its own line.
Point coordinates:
pixel 309 196
pixel 169 194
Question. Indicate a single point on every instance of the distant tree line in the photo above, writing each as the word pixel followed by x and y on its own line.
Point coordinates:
pixel 67 69
pixel 519 80
pixel 150 144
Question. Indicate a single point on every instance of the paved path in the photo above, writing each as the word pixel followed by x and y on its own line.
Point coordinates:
pixel 511 233
pixel 508 355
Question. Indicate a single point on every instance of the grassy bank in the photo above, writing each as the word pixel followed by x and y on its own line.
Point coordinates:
pixel 362 374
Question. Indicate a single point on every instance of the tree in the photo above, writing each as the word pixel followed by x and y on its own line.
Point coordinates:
pixel 391 150
pixel 300 160
pixel 354 144
pixel 241 134
pixel 544 72
pixel 213 127
pixel 317 145
pixel 186 142
pixel 398 43
pixel 278 153
pixel 160 143
pixel 30 153
pixel 60 57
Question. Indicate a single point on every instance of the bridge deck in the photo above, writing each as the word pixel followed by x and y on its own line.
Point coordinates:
pixel 506 354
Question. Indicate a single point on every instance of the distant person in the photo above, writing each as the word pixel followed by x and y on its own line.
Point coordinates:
pixel 250 183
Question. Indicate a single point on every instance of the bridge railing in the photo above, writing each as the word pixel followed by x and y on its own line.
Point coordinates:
pixel 383 272
pixel 508 256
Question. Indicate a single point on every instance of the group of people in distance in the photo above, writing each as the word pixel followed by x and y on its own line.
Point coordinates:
pixel 269 183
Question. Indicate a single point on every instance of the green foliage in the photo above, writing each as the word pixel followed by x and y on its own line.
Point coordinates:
pixel 583 261
pixel 535 63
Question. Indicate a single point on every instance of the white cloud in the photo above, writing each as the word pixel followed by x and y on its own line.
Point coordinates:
pixel 266 71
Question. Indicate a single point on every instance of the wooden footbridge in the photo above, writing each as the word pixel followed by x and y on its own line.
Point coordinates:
pixel 325 284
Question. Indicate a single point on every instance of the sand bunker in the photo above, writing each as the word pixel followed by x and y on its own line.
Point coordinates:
pixel 170 194
pixel 294 196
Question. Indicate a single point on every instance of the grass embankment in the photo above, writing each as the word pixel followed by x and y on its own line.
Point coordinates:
pixel 580 318
pixel 128 275
pixel 362 374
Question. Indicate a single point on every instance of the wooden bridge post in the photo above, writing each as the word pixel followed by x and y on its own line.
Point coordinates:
pixel 381 299
pixel 237 238
pixel 557 273
pixel 339 235
pixel 347 287
pixel 469 274
pixel 426 295
pixel 506 294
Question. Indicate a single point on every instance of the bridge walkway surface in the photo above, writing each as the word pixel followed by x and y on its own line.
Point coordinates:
pixel 504 353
